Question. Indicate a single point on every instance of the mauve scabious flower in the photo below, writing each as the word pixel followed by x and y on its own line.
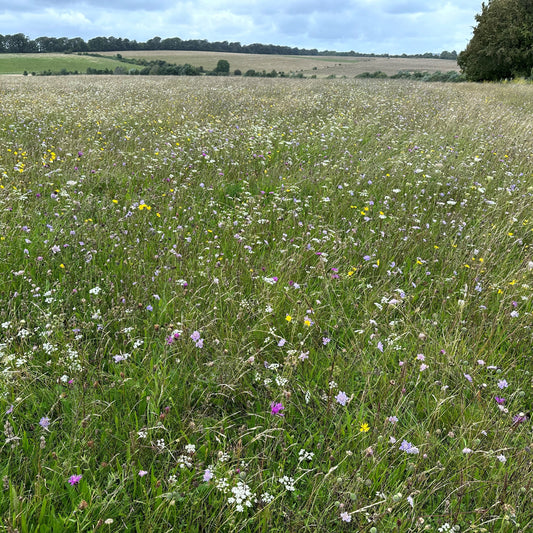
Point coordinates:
pixel 408 447
pixel 342 398
pixel 207 475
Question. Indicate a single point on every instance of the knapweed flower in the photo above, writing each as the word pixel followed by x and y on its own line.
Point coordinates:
pixel 276 408
pixel 499 401
pixel 74 479
pixel 172 337
pixel 342 398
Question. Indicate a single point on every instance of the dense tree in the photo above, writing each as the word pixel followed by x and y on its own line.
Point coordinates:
pixel 502 43
pixel 222 67
pixel 19 43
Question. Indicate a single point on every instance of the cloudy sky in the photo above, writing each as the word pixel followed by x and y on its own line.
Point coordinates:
pixel 378 26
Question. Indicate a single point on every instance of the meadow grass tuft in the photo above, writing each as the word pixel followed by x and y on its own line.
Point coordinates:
pixel 265 305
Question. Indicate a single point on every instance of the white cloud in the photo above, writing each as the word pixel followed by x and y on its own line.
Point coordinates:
pixel 380 26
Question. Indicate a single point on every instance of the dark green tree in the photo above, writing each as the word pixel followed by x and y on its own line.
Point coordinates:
pixel 222 67
pixel 502 43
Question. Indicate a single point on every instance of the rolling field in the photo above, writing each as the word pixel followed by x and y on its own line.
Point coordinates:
pixel 18 63
pixel 265 305
pixel 321 67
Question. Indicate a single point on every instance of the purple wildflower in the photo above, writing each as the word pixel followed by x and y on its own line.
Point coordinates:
pixel 502 384
pixel 342 398
pixel 407 447
pixel 276 408
pixel 74 479
pixel 519 418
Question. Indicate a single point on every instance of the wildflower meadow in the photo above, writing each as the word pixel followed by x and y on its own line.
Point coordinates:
pixel 270 305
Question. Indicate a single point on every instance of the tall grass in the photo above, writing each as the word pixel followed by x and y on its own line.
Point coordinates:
pixel 265 305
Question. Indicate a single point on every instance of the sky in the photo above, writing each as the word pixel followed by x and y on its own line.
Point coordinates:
pixel 366 26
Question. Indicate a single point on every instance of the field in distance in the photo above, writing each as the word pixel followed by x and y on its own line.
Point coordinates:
pixel 18 63
pixel 320 66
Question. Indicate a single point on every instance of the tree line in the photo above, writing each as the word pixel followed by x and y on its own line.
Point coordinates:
pixel 20 44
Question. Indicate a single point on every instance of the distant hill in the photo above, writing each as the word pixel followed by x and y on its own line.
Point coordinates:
pixel 321 66
pixel 291 65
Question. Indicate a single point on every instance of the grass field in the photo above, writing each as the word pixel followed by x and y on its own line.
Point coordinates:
pixel 276 305
pixel 18 63
pixel 320 67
